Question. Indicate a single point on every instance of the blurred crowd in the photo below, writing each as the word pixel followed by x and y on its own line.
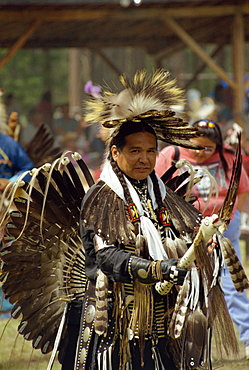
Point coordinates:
pixel 71 132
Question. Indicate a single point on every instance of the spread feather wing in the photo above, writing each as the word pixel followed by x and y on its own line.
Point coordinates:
pixel 41 148
pixel 103 202
pixel 185 217
pixel 42 254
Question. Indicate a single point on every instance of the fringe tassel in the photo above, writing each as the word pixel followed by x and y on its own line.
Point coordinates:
pixel 110 358
pixel 99 361
pixel 157 359
pixel 121 318
pixel 105 365
pixel 142 315
pixel 139 324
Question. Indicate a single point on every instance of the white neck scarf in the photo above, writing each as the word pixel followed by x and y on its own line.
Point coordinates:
pixel 156 249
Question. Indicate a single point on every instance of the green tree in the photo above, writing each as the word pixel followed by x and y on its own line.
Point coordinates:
pixel 32 72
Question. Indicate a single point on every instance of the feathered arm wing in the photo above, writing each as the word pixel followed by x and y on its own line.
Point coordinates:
pixel 42 255
pixel 41 148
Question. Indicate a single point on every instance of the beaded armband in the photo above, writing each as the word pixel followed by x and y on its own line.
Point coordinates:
pixel 132 209
pixel 163 216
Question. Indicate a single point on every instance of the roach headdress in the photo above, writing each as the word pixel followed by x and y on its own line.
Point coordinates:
pixel 146 99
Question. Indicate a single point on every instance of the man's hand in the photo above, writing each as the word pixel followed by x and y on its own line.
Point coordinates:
pixel 172 273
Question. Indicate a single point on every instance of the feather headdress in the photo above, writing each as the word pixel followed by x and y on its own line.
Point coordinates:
pixel 146 99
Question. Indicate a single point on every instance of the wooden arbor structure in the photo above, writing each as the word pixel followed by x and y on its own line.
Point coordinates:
pixel 161 27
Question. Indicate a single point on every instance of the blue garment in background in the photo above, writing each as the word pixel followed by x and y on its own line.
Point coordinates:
pixel 237 303
pixel 13 159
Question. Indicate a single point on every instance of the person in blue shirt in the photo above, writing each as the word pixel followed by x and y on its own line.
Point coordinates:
pixel 14 161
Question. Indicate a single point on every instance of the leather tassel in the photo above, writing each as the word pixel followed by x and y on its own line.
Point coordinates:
pixel 142 315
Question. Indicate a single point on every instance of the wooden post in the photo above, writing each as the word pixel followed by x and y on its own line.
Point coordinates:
pixel 75 81
pixel 239 68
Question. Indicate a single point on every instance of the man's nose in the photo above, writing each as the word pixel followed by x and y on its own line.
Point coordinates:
pixel 143 157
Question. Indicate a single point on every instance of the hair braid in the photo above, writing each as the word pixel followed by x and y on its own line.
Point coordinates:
pixel 120 176
pixel 223 160
pixel 156 189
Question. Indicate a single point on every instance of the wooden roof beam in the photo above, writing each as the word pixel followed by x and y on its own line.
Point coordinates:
pixel 108 62
pixel 202 67
pixel 84 13
pixel 193 45
pixel 201 33
pixel 239 67
pixel 19 43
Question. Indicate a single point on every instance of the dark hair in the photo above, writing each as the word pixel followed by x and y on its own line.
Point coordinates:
pixel 212 131
pixel 126 129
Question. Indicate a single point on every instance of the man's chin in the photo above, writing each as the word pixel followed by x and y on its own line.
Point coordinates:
pixel 141 176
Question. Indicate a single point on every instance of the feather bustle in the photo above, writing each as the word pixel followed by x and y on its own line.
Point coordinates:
pixel 43 268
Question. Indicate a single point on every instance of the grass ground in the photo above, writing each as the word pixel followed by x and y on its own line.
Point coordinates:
pixel 239 363
pixel 17 353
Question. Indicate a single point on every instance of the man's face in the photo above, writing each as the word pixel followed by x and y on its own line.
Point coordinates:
pixel 138 157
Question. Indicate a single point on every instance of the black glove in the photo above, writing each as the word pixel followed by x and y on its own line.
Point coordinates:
pixel 172 273
pixel 146 272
